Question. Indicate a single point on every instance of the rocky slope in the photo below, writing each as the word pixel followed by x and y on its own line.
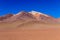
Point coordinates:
pixel 28 16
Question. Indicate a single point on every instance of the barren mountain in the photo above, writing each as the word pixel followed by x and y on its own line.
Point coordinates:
pixel 58 20
pixel 27 19
pixel 29 26
pixel 5 17
pixel 43 17
pixel 28 16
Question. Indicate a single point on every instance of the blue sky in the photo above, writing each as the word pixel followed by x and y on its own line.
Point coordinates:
pixel 50 7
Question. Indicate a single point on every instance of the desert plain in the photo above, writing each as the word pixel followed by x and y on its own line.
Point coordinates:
pixel 29 31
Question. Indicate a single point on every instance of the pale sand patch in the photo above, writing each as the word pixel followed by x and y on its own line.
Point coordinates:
pixel 30 34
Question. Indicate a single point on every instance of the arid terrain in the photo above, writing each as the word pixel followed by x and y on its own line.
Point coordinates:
pixel 30 34
pixel 29 31
pixel 29 26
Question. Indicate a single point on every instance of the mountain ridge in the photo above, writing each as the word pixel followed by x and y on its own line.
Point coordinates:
pixel 33 15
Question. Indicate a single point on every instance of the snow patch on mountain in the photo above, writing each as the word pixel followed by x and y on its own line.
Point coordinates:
pixel 39 13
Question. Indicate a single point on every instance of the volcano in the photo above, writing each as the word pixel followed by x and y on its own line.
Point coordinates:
pixel 31 25
pixel 28 16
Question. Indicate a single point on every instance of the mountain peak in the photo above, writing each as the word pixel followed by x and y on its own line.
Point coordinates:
pixel 35 13
pixel 19 13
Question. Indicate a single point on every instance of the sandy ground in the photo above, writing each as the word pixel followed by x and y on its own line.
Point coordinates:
pixel 30 34
pixel 29 31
